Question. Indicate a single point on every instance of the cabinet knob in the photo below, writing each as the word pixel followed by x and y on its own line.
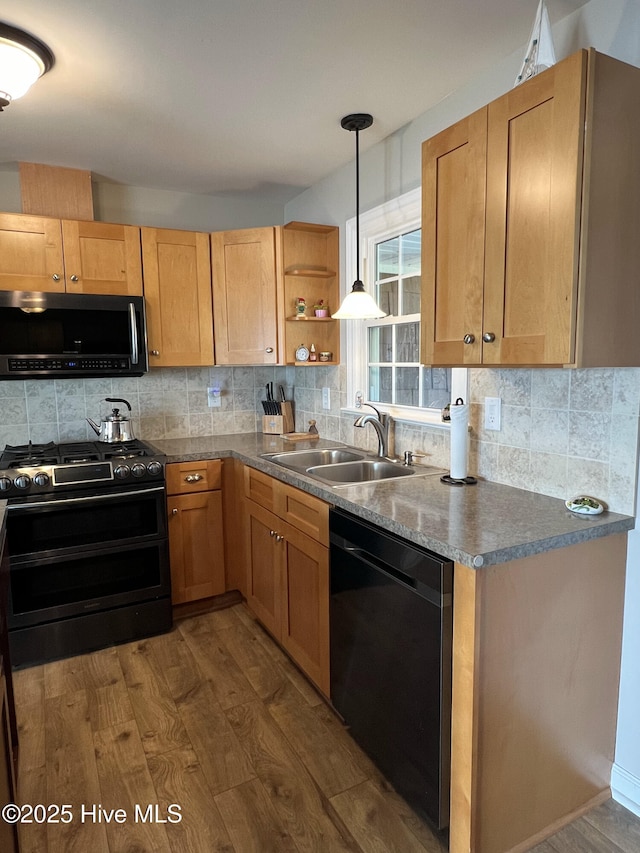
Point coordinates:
pixel 269 349
pixel 193 478
pixel 155 352
pixel 488 337
pixel 279 538
pixel 272 533
pixel 74 278
pixel 174 512
pixel 469 339
pixel 55 276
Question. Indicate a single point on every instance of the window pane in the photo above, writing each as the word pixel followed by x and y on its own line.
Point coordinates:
pixel 387 297
pixel 381 343
pixel 407 342
pixel 436 387
pixel 387 258
pixel 411 253
pixel 407 386
pixel 380 380
pixel 411 295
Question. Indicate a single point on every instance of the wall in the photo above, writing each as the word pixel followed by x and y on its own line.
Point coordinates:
pixel 563 432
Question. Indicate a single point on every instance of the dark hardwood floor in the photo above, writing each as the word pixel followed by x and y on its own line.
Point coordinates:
pixel 213 718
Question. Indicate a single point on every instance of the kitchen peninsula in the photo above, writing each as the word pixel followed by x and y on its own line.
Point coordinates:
pixel 538 600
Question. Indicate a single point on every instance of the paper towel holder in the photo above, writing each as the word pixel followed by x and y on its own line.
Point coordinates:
pixel 447 478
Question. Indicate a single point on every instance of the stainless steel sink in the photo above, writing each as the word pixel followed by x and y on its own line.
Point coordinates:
pixel 362 471
pixel 301 460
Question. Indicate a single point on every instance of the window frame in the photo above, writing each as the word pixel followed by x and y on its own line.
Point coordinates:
pixel 400 215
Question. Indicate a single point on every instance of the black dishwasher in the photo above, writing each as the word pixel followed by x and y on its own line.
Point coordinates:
pixel 391 633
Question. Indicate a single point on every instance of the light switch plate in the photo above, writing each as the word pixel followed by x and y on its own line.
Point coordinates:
pixel 492 413
pixel 326 398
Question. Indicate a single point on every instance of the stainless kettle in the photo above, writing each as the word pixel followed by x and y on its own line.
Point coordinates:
pixel 115 427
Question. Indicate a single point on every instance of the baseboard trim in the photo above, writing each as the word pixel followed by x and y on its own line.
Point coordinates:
pixel 625 789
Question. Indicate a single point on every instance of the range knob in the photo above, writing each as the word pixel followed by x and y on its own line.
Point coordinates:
pixel 41 479
pixel 23 481
pixel 122 472
pixel 154 468
pixel 5 484
pixel 138 469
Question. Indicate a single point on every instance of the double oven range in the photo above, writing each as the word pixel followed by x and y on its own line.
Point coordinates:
pixel 88 551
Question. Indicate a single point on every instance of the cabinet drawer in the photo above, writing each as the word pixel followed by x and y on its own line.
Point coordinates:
pixel 304 511
pixel 259 487
pixel 185 477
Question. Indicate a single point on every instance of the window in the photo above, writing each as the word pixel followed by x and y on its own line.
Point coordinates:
pixel 383 356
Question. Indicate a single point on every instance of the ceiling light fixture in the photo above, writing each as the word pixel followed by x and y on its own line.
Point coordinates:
pixel 358 304
pixel 23 59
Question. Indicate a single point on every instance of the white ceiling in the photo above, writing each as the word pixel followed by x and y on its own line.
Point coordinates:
pixel 242 96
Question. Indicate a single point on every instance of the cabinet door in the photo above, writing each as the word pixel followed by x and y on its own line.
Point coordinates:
pixel 264 582
pixel 196 546
pixel 534 180
pixel 30 253
pixel 453 210
pixel 305 609
pixel 177 289
pixel 246 290
pixel 8 832
pixel 100 257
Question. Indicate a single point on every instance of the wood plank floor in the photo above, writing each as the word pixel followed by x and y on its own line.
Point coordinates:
pixel 213 717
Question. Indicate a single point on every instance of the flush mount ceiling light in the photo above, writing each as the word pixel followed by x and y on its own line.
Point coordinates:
pixel 358 305
pixel 23 59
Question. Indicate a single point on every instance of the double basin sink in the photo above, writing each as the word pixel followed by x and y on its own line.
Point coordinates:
pixel 344 466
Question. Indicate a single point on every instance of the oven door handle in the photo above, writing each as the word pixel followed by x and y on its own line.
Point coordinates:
pixel 89 499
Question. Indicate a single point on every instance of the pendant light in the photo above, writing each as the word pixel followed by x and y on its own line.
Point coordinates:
pixel 23 59
pixel 358 304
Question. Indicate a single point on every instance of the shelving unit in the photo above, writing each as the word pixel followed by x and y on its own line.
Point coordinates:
pixel 311 260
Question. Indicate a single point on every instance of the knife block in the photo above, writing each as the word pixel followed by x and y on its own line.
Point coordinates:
pixel 279 424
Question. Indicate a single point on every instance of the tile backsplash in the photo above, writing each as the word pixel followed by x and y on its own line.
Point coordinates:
pixel 563 431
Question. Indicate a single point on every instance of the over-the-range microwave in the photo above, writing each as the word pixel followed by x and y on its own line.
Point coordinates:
pixel 49 335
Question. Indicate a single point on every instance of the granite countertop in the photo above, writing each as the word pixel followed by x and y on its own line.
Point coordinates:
pixel 477 526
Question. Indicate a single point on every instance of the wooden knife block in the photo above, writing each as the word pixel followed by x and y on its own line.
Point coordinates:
pixel 279 424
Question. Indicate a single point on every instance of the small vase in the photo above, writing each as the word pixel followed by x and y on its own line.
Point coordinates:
pixel 321 312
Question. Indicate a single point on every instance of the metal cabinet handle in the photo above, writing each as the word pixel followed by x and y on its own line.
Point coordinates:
pixel 269 349
pixel 155 352
pixel 74 278
pixel 193 478
pixel 55 276
pixel 174 512
pixel 488 337
pixel 279 538
pixel 469 339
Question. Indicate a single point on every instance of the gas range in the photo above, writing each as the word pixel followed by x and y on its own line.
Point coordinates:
pixel 48 469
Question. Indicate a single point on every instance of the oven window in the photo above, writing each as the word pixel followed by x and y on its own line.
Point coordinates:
pixel 91 578
pixel 57 524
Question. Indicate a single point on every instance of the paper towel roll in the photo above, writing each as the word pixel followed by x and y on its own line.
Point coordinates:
pixel 459 447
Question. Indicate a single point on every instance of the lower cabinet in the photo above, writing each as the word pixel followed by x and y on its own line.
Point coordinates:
pixel 288 570
pixel 196 535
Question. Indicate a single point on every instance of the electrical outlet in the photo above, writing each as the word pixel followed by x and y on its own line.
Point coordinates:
pixel 213 397
pixel 492 413
pixel 326 398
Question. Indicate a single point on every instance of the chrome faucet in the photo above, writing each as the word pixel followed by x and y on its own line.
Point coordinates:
pixel 380 422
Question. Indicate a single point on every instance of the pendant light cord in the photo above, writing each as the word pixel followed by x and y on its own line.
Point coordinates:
pixel 358 205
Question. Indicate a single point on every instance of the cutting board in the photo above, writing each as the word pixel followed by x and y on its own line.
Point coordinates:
pixel 300 436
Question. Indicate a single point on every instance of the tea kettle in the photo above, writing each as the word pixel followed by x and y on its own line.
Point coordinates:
pixel 115 427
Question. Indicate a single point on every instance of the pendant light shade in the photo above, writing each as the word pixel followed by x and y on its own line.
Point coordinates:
pixel 23 59
pixel 358 304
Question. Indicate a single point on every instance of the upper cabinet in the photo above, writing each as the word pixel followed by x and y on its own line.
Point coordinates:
pixel 258 276
pixel 247 295
pixel 531 213
pixel 45 254
pixel 177 290
pixel 310 259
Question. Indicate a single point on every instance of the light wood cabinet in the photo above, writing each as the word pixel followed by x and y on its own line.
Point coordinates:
pixel 52 255
pixel 177 290
pixel 247 295
pixel 288 570
pixel 311 259
pixel 530 223
pixel 196 534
